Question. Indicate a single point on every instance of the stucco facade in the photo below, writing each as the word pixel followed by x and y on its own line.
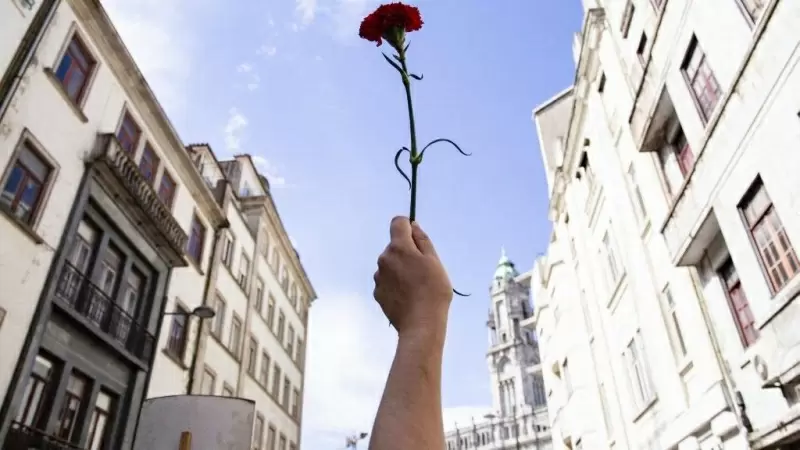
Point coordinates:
pixel 669 166
pixel 113 237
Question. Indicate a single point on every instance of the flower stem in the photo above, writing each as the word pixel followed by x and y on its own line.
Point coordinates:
pixel 414 155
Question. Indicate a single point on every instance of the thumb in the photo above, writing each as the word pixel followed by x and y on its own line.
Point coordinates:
pixel 422 240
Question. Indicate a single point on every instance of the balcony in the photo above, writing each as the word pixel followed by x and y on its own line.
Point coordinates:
pixel 77 294
pixel 22 437
pixel 120 174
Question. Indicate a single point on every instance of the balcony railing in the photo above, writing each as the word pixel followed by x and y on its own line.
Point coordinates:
pixel 83 297
pixel 22 437
pixel 123 178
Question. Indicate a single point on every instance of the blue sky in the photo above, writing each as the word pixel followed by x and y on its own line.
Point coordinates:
pixel 291 83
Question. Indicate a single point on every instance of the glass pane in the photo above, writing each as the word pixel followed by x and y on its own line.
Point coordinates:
pixel 63 67
pixel 75 81
pixel 66 428
pixel 34 163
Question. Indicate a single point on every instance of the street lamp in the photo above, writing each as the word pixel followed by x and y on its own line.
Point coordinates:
pixel 352 441
pixel 202 313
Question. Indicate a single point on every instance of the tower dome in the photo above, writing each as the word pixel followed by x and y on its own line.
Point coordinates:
pixel 505 268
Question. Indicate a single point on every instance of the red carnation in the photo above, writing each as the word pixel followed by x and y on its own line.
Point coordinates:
pixel 390 22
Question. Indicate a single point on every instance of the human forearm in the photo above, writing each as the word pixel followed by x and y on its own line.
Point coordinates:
pixel 410 413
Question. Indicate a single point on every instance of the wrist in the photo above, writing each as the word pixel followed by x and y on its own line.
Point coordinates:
pixel 431 331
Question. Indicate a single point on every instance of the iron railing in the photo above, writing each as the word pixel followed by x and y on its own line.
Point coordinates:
pixel 23 437
pixel 82 296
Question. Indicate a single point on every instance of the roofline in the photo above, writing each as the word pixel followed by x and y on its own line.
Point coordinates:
pixel 553 100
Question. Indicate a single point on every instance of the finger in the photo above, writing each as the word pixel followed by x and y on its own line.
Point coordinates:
pixel 400 231
pixel 421 240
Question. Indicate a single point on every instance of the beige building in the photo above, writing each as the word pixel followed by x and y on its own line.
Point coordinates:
pixel 666 302
pixel 110 228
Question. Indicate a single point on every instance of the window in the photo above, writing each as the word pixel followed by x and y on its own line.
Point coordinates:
pixel 614 269
pixel 776 253
pixel 209 380
pixel 627 18
pixel 295 403
pixel 236 335
pixel 275 262
pixel 197 238
pixel 101 416
pixel 270 311
pixel 701 79
pixel 25 183
pixel 290 342
pixel 285 279
pixel 219 317
pixel 67 426
pixel 636 193
pixel 676 339
pixel 641 48
pixel 276 381
pixel 567 378
pixel 637 372
pixel 258 432
pixel 252 356
pixel 539 395
pixel 259 300
pixel 271 438
pixel 740 307
pixel 281 326
pixel 35 397
pixel 128 134
pixel 244 269
pixel 601 85
pixel 148 164
pixel 227 390
pixel 298 357
pixel 176 341
pixel 753 8
pixel 227 251
pixel 265 245
pixel 166 190
pixel 75 69
pixel 287 389
pixel 264 374
pixel 282 443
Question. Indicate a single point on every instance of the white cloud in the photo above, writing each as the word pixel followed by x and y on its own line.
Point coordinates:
pixel 267 50
pixel 244 67
pixel 161 41
pixel 269 170
pixel 350 350
pixel 318 58
pixel 253 78
pixel 294 27
pixel 307 10
pixel 234 128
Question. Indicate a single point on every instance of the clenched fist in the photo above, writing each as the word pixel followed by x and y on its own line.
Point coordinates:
pixel 411 285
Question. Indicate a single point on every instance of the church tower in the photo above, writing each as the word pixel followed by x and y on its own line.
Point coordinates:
pixel 513 355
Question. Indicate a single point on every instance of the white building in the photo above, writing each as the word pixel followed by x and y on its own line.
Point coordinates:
pixel 109 227
pixel 519 407
pixel 665 303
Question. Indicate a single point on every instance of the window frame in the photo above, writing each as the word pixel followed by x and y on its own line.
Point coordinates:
pixel 218 323
pixel 91 66
pixel 127 117
pixel 181 312
pixel 678 342
pixel 730 281
pixel 252 355
pixel 27 142
pixel 236 324
pixel 209 373
pixel 640 381
pixel 263 374
pixel 202 230
pixel 244 270
pixel 694 46
pixel 750 16
pixel 627 19
pixel 768 211
pixel 170 200
pixel 258 431
pixel 155 162
pixel 259 296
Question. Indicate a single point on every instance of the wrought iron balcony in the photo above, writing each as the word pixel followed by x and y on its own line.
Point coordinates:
pixel 126 183
pixel 78 294
pixel 22 437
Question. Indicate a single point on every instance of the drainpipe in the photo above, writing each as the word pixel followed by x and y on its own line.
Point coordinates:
pixel 23 57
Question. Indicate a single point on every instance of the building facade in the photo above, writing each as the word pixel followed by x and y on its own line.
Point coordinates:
pixel 519 407
pixel 110 228
pixel 666 297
